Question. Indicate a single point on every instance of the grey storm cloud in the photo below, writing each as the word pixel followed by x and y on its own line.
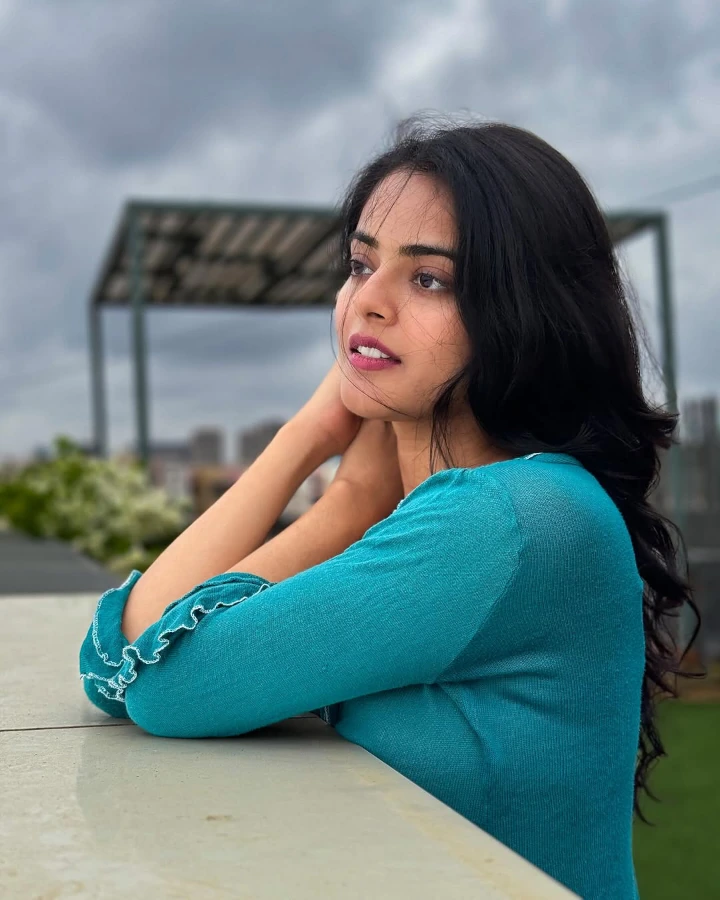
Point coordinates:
pixel 247 337
pixel 282 101
pixel 642 49
pixel 131 81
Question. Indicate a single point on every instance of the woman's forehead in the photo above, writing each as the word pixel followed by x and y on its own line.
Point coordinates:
pixel 409 208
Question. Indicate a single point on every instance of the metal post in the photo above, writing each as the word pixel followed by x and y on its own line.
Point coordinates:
pixel 137 301
pixel 675 460
pixel 97 381
pixel 667 325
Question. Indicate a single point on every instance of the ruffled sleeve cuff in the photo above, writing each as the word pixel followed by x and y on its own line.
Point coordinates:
pixel 108 663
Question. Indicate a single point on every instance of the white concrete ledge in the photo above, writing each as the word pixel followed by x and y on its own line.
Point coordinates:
pixel 291 811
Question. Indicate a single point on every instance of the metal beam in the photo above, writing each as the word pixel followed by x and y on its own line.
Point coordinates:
pixel 137 301
pixel 686 622
pixel 667 324
pixel 97 381
pixel 209 207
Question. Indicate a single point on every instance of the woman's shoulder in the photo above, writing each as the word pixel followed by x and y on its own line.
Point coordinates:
pixel 455 490
pixel 492 483
pixel 542 492
pixel 456 508
pixel 561 508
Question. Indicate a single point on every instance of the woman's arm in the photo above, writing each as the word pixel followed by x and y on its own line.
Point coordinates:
pixel 367 488
pixel 234 526
pixel 237 524
pixel 395 609
pixel 338 519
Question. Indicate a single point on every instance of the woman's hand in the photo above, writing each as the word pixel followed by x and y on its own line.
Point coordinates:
pixel 370 466
pixel 326 418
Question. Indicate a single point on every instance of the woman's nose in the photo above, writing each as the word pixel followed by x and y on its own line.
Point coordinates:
pixel 375 295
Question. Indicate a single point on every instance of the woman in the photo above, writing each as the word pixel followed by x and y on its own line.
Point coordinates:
pixel 493 627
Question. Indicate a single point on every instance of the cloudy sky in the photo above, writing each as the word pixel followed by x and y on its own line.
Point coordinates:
pixel 281 102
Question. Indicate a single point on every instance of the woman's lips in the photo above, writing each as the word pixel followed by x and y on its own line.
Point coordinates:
pixel 371 342
pixel 371 363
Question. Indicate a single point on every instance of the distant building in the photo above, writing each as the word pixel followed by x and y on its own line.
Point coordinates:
pixel 310 491
pixel 206 447
pixel 252 441
pixel 699 420
pixel 44 453
pixel 173 476
pixel 209 483
pixel 171 451
pixel 87 448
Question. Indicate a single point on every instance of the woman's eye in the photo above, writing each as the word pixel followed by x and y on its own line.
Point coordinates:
pixel 425 280
pixel 355 266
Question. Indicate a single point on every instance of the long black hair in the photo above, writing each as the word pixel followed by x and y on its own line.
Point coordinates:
pixel 555 356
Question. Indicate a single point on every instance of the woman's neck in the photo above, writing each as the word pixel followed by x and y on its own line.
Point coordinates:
pixel 468 445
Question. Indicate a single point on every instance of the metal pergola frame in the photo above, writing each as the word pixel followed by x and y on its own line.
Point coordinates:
pixel 128 256
pixel 128 262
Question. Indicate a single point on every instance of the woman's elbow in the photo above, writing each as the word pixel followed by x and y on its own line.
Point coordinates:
pixel 161 711
pixel 114 708
pixel 170 708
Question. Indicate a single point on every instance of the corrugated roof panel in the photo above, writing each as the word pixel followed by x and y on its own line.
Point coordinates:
pixel 116 287
pixel 195 276
pixel 216 236
pixel 147 221
pixel 299 230
pixel 170 223
pixel 285 290
pixel 161 289
pixel 310 243
pixel 209 278
pixel 201 252
pixel 272 229
pixel 222 274
pixel 252 282
pixel 199 225
pixel 159 253
pixel 247 226
pixel 233 273
pixel 324 257
pixel 313 288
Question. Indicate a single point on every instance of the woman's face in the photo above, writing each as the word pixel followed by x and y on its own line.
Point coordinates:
pixel 400 290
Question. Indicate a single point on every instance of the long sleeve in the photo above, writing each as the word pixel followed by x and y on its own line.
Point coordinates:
pixel 396 608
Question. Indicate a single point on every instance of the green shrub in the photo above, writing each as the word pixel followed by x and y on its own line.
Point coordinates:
pixel 105 509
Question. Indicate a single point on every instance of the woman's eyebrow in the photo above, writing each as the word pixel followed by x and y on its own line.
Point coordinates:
pixel 406 249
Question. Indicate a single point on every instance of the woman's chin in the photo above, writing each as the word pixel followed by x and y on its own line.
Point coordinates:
pixel 368 409
pixel 356 400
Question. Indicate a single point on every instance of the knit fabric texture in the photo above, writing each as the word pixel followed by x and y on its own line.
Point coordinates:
pixel 485 640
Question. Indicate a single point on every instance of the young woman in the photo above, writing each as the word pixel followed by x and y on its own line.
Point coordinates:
pixel 495 626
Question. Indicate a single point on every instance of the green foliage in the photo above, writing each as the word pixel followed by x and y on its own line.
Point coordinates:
pixel 105 509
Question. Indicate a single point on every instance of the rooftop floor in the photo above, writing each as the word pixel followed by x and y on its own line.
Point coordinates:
pixel 35 566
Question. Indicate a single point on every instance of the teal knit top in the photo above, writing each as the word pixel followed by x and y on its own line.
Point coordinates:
pixel 485 640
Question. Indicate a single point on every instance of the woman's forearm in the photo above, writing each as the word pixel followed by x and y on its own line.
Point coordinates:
pixel 233 528
pixel 338 519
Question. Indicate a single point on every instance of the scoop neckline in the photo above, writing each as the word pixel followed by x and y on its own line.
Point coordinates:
pixel 562 458
pixel 547 456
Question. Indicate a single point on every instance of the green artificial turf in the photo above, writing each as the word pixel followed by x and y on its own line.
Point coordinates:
pixel 679 859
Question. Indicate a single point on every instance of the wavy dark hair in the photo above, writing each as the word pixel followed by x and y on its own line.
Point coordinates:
pixel 555 350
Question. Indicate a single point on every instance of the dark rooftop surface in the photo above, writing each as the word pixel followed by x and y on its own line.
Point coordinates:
pixel 37 566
